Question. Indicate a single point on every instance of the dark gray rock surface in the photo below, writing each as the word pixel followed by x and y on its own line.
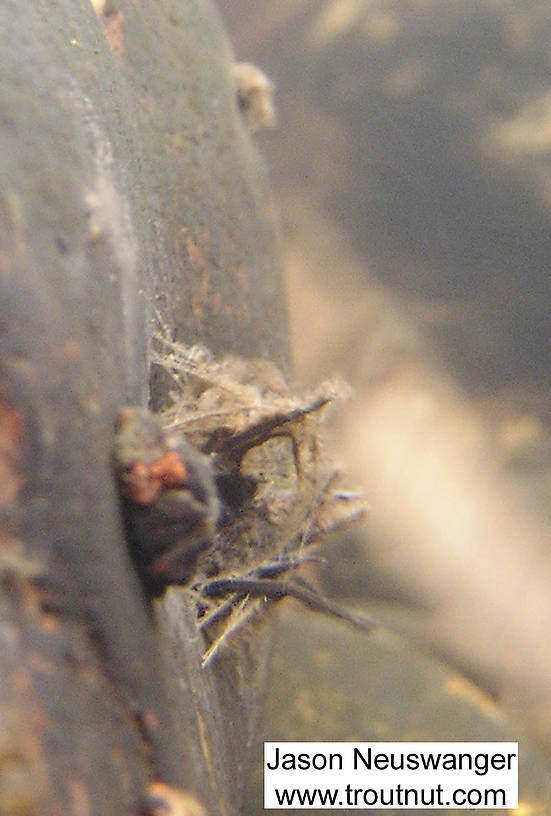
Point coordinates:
pixel 128 187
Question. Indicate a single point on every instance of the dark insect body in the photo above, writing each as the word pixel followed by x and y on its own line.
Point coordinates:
pixel 229 491
pixel 170 501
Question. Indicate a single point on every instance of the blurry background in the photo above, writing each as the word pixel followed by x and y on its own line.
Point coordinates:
pixel 412 166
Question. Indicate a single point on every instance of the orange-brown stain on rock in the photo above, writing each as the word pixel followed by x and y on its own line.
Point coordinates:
pixel 194 251
pixel 49 624
pixel 201 281
pixel 113 25
pixel 164 800
pixel 243 277
pixel 217 304
pixel 200 298
pixel 78 797
pixel 22 683
pixel 67 351
pixel 12 429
